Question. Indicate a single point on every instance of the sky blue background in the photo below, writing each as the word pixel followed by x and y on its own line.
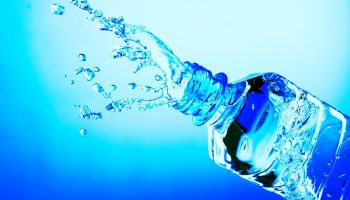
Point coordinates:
pixel 157 154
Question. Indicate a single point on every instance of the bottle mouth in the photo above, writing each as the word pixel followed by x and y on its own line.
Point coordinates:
pixel 203 95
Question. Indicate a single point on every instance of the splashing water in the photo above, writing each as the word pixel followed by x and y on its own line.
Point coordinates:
pixel 57 9
pixel 145 50
pixel 254 107
pixel 87 113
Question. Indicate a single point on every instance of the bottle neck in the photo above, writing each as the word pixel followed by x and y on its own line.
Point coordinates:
pixel 208 98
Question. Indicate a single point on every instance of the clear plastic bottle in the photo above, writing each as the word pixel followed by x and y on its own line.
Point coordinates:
pixel 263 127
pixel 271 132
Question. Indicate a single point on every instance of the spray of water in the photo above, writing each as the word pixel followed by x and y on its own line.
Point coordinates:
pixel 145 50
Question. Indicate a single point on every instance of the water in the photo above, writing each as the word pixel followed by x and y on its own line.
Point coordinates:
pixel 83 131
pixel 271 132
pixel 263 128
pixel 82 57
pixel 113 87
pixel 87 113
pixel 145 50
pixel 57 9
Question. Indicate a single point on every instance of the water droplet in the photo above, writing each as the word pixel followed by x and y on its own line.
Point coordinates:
pixel 329 195
pixel 97 87
pixel 113 87
pixel 57 9
pixel 71 82
pixel 132 85
pixel 83 131
pixel 65 76
pixel 96 115
pixel 337 157
pixel 82 57
pixel 78 70
pixel 96 69
pixel 158 78
pixel 146 88
pixel 89 74
pixel 98 14
pixel 110 107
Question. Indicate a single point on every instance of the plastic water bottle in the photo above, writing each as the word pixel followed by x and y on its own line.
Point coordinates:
pixel 273 133
pixel 263 127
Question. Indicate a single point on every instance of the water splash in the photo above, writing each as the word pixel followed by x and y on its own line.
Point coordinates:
pixel 57 9
pixel 141 47
pixel 87 113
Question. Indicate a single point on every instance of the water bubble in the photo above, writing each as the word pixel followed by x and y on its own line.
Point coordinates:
pixel 78 70
pixel 113 87
pixel 57 9
pixel 89 74
pixel 65 76
pixel 82 57
pixel 158 78
pixel 71 82
pixel 96 69
pixel 132 86
pixel 83 131
pixel 97 87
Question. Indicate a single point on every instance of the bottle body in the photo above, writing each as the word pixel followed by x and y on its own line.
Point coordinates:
pixel 269 131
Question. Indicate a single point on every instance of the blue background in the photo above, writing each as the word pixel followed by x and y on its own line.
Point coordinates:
pixel 157 154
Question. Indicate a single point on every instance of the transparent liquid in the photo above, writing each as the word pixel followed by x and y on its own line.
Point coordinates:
pixel 284 139
pixel 263 127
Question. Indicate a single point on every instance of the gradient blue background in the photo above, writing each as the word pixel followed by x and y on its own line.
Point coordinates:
pixel 157 154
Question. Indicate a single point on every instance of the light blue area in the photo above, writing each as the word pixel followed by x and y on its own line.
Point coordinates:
pixel 157 154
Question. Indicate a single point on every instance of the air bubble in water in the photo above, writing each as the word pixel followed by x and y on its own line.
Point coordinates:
pixel 83 131
pixel 57 9
pixel 82 57
pixel 89 74
pixel 71 82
